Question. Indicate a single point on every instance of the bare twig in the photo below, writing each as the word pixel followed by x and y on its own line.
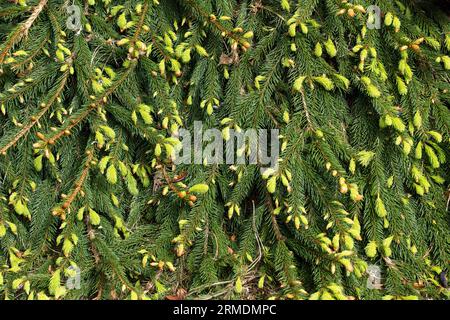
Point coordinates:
pixel 305 108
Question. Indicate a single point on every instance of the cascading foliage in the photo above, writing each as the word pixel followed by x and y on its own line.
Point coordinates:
pixel 89 117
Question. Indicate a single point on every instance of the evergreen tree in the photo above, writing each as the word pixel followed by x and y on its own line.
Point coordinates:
pixel 89 109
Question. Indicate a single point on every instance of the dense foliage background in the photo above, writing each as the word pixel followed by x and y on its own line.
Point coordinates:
pixel 88 188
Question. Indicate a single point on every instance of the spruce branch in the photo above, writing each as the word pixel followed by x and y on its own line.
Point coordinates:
pixel 77 119
pixel 305 109
pixel 79 184
pixel 216 23
pixel 275 226
pixel 141 21
pixel 33 55
pixel 21 31
pixel 362 178
pixel 35 119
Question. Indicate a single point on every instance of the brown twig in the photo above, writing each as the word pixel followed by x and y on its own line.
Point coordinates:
pixel 91 235
pixel 305 108
pixel 141 22
pixel 167 178
pixel 80 182
pixel 275 226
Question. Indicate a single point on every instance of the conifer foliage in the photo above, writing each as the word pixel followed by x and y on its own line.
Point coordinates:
pixel 93 207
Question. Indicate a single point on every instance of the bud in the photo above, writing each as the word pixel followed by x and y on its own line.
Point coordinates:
pixel 330 48
pixel 371 249
pixel 401 86
pixel 298 83
pixel 417 121
pixel 351 13
pixel 291 29
pixel 388 19
pixel 199 188
pixel 380 209
pixel 318 49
